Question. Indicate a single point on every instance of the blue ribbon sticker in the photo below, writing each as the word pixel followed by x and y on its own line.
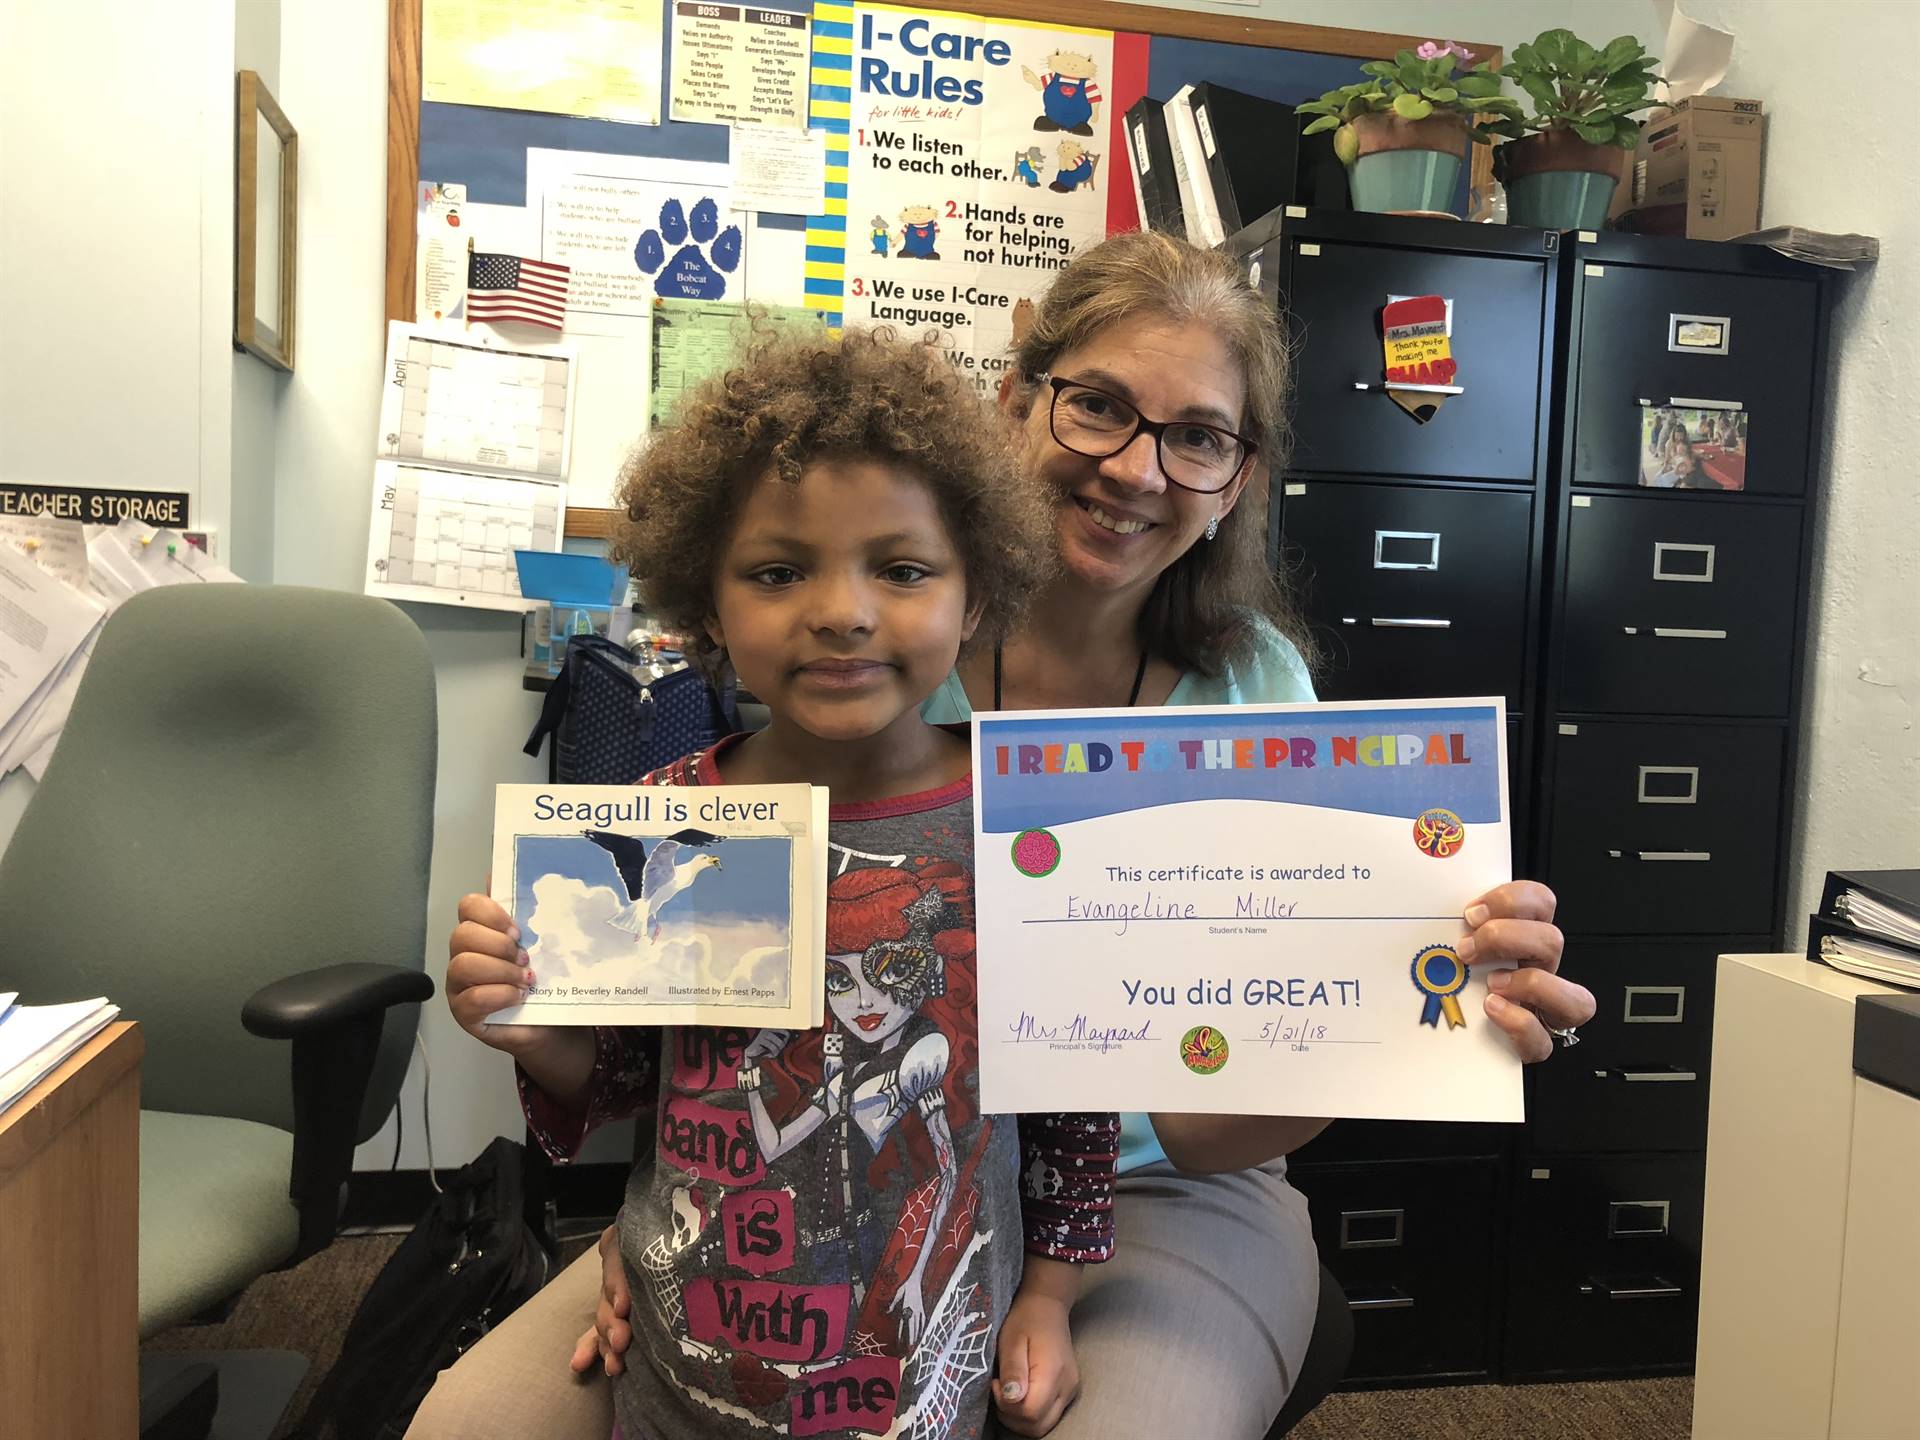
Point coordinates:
pixel 1439 975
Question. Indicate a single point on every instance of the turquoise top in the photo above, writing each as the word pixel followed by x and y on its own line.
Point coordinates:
pixel 1271 672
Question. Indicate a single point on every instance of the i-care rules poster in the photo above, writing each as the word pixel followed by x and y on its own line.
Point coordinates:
pixel 977 166
pixel 1245 910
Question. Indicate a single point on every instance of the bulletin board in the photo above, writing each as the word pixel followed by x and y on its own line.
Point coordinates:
pixel 1013 201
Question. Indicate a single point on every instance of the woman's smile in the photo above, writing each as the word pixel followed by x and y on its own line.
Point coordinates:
pixel 870 1022
pixel 1120 524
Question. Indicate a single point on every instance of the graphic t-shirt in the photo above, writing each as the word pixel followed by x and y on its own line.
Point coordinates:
pixel 831 1232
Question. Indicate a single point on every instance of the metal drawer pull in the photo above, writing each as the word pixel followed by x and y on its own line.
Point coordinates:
pixel 1663 632
pixel 1423 543
pixel 1662 854
pixel 1372 1229
pixel 1663 550
pixel 1654 1287
pixel 1422 389
pixel 1633 1077
pixel 1691 773
pixel 1632 1014
pixel 1689 402
pixel 1382 622
pixel 1394 1299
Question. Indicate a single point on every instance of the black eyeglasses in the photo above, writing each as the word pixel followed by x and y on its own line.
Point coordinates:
pixel 1090 422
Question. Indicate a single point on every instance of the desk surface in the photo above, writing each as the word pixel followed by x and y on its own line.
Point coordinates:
pixel 31 1122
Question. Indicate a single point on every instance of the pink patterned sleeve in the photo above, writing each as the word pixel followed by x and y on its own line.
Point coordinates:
pixel 626 1075
pixel 1067 1169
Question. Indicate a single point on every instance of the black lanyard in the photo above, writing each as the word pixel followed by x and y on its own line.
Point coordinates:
pixel 1133 696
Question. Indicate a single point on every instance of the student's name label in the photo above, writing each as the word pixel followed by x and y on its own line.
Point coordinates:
pixel 1246 909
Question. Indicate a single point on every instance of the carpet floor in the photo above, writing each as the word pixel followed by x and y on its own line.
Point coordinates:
pixel 306 1309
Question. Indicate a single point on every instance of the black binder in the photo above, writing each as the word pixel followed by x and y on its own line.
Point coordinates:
pixel 1150 154
pixel 1896 889
pixel 1253 152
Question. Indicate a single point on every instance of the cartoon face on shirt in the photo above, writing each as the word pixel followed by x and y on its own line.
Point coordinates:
pixel 1072 65
pixel 864 1005
pixel 918 215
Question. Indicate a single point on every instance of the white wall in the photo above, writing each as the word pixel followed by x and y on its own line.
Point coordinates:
pixel 116 220
pixel 1858 787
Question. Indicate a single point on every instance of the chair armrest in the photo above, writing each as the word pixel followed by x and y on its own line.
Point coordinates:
pixel 333 1016
pixel 316 1000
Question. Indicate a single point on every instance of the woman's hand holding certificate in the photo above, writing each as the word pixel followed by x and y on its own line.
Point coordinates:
pixel 1252 910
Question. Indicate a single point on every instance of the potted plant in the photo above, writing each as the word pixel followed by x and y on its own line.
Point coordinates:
pixel 1403 131
pixel 1560 165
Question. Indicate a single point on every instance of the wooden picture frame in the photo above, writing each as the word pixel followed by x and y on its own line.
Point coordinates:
pixel 265 212
pixel 404 87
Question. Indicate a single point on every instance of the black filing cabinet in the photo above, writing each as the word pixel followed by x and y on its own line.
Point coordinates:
pixel 1539 536
pixel 1671 687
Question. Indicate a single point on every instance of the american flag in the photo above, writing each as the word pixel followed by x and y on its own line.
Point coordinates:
pixel 505 287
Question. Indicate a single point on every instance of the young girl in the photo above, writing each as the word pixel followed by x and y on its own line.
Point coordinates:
pixel 830 1237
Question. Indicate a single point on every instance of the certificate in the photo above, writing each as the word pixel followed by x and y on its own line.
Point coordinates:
pixel 1246 909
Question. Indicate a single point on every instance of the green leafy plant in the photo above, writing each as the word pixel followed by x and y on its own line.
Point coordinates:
pixel 1414 85
pixel 1573 86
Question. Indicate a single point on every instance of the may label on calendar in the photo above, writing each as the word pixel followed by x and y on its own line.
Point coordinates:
pixel 1248 909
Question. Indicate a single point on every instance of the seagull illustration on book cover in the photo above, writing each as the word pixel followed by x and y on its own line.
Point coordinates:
pixel 646 919
pixel 652 880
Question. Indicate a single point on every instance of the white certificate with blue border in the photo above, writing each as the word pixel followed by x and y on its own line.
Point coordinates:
pixel 1241 909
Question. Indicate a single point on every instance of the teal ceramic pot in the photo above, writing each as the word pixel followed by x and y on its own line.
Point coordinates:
pixel 1397 180
pixel 1560 199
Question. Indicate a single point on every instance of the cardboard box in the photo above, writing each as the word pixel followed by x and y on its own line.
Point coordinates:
pixel 1697 171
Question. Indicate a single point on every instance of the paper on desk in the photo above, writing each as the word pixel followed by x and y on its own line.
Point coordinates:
pixel 783 171
pixel 123 560
pixel 57 546
pixel 42 622
pixel 36 1038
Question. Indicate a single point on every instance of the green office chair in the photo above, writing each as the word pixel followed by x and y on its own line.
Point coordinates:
pixel 231 843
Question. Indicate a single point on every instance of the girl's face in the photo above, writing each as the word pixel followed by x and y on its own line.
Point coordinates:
pixel 840 600
pixel 1120 520
pixel 870 1011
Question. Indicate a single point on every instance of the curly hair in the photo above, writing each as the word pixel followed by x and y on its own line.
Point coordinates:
pixel 795 398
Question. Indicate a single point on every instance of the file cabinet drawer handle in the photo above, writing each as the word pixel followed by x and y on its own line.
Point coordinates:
pixel 1690 402
pixel 1638 1217
pixel 1654 1287
pixel 1393 1298
pixel 1372 1229
pixel 1647 1077
pixel 1385 622
pixel 1670 632
pixel 1660 855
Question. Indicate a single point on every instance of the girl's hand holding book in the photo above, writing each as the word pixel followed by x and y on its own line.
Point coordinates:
pixel 486 973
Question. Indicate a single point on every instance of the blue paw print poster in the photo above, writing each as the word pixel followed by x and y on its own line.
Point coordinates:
pixel 632 239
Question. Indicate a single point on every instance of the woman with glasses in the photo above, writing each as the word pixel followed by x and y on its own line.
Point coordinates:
pixel 1149 395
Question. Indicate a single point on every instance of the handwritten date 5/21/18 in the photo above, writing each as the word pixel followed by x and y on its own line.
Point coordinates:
pixel 1296 1034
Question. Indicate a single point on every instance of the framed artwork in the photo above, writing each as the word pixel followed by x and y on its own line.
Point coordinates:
pixel 265 205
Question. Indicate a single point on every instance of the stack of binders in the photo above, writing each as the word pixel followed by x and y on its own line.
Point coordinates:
pixel 1869 925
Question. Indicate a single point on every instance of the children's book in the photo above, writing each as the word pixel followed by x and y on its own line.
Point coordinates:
pixel 662 905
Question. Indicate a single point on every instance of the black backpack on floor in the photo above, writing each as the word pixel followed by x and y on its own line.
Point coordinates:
pixel 468 1264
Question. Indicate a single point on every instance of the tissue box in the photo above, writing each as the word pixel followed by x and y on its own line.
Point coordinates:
pixel 1697 171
